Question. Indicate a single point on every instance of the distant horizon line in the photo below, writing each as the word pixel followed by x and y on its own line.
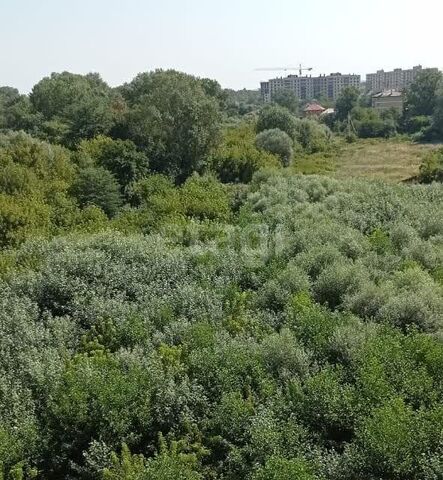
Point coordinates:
pixel 117 84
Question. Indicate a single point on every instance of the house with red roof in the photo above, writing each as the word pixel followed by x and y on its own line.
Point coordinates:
pixel 313 110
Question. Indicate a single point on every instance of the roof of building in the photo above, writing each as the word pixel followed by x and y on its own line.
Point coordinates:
pixel 313 107
pixel 328 111
pixel 388 93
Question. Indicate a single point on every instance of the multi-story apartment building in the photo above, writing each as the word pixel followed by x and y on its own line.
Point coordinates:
pixel 398 79
pixel 308 87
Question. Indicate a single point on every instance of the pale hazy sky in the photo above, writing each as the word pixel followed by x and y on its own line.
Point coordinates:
pixel 225 40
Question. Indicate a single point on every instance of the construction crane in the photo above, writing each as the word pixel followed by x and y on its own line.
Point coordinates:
pixel 300 69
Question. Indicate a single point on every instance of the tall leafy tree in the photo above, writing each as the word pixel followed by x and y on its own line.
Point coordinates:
pixel 214 89
pixel 286 98
pixel 8 96
pixel 16 111
pixel 421 97
pixel 437 120
pixel 346 102
pixel 174 119
pixel 73 106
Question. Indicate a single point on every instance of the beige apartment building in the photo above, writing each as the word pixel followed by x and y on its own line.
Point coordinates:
pixel 308 87
pixel 398 79
pixel 387 100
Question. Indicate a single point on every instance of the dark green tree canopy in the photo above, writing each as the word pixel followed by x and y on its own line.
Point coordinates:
pixel 213 89
pixel 346 102
pixel 172 116
pixel 421 96
pixel 16 111
pixel 54 94
pixel 121 157
pixel 77 106
pixel 437 119
pixel 8 96
pixel 97 186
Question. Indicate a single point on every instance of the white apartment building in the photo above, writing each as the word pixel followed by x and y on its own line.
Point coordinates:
pixel 398 79
pixel 308 87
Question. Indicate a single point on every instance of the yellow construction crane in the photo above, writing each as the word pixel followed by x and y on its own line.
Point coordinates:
pixel 300 69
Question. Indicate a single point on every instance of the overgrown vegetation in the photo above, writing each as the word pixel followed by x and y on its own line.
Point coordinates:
pixel 178 305
pixel 302 334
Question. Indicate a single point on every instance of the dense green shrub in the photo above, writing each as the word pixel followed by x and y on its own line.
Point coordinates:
pixel 97 186
pixel 312 135
pixel 418 124
pixel 160 202
pixel 166 465
pixel 337 280
pixel 156 192
pixel 22 218
pixel 373 128
pixel 277 291
pixel 237 158
pixel 327 404
pixel 93 398
pixel 205 198
pixel 276 142
pixel 120 157
pixel 32 167
pixel 431 170
pixel 273 116
pixel 398 442
pixel 370 124
pixel 35 182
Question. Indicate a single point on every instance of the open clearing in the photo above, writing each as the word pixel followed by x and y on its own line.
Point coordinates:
pixel 390 160
pixel 394 160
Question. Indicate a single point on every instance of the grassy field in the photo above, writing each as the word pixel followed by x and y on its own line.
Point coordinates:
pixel 390 160
pixel 394 160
